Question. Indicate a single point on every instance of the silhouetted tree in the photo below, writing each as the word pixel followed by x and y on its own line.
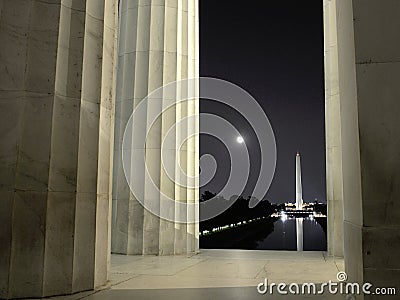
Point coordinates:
pixel 320 208
pixel 207 195
pixel 237 211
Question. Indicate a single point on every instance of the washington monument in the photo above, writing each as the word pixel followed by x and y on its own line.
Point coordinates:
pixel 299 191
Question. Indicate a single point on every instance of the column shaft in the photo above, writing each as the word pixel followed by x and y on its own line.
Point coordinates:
pixel 368 70
pixel 157 47
pixel 57 88
pixel 334 177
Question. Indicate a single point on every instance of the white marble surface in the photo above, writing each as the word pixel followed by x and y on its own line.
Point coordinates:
pixel 153 51
pixel 57 95
pixel 221 268
pixel 376 34
pixel 334 172
pixel 367 60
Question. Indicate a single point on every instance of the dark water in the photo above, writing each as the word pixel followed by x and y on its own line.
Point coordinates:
pixel 269 234
pixel 284 236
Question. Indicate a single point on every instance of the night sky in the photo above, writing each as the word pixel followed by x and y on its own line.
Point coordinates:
pixel 274 50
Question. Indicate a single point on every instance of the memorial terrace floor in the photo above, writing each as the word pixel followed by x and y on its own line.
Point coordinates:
pixel 213 274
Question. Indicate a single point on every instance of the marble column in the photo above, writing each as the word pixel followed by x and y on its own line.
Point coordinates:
pixel 368 58
pixel 56 112
pixel 158 45
pixel 334 175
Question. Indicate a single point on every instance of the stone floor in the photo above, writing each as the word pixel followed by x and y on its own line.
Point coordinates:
pixel 213 274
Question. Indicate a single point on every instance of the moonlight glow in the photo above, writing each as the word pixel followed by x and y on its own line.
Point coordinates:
pixel 239 139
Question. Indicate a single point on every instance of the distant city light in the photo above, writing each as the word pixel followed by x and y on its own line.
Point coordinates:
pixel 284 217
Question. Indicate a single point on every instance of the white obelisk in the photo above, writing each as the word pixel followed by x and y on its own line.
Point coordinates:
pixel 299 192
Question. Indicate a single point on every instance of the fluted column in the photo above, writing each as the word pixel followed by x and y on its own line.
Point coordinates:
pixel 158 45
pixel 56 114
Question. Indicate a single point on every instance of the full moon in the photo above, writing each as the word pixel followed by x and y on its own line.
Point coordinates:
pixel 239 139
